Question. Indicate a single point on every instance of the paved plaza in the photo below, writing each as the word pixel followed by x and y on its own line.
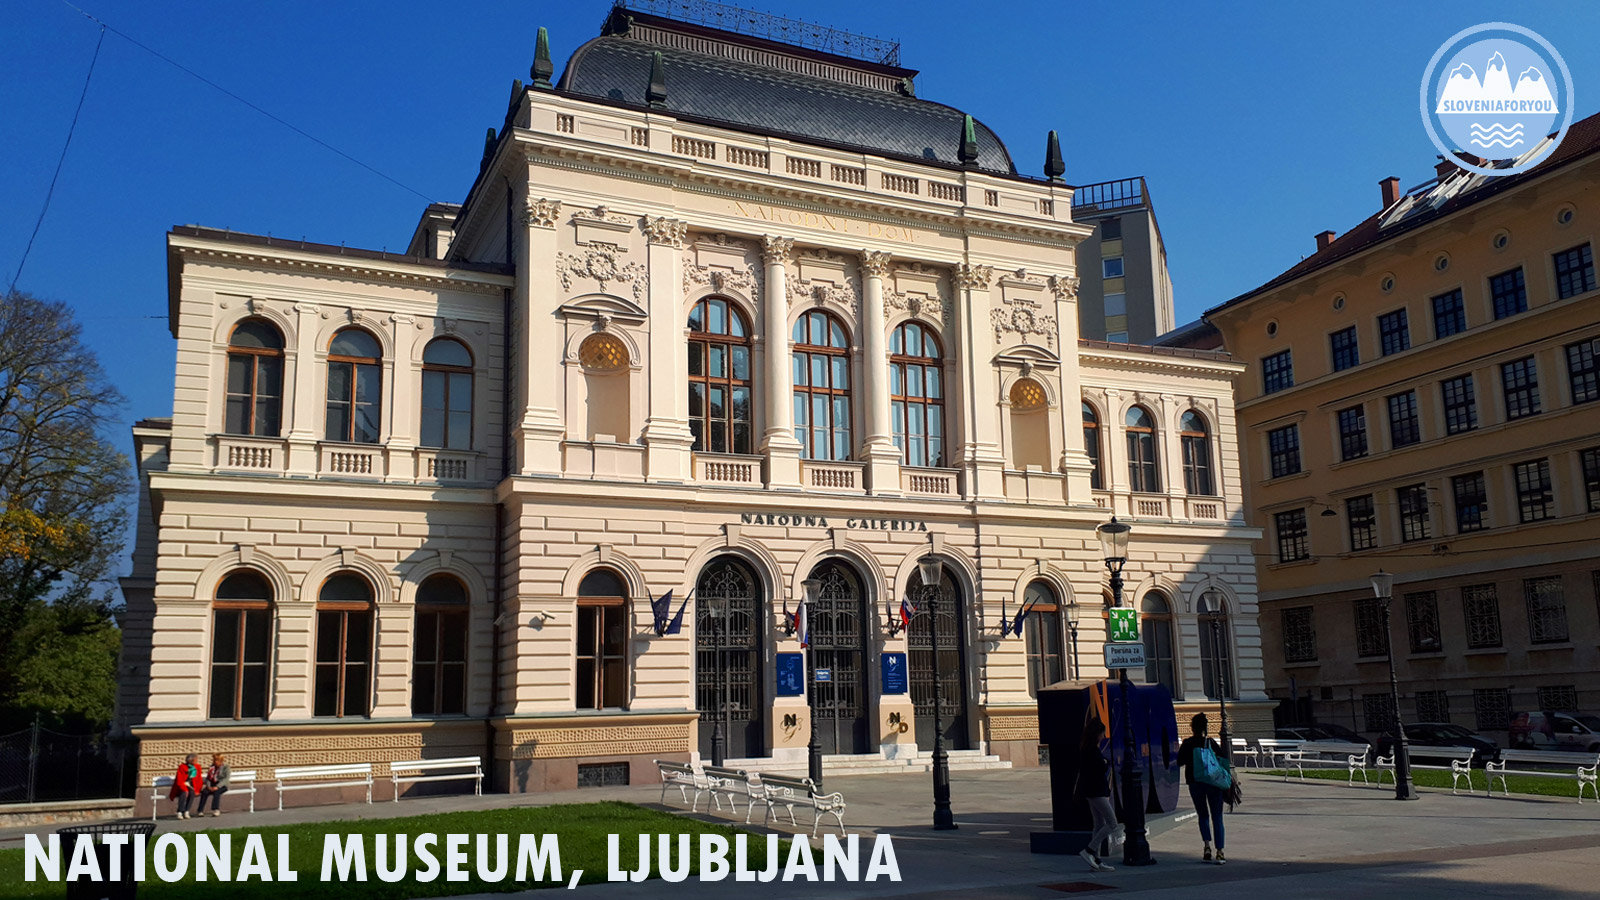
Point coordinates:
pixel 1303 840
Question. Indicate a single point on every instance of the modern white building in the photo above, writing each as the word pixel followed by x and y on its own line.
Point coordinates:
pixel 719 315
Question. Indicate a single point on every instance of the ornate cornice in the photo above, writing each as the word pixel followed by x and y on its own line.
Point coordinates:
pixel 974 278
pixel 664 230
pixel 345 268
pixel 604 215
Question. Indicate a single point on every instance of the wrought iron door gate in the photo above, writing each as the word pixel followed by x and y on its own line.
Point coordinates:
pixel 952 666
pixel 838 647
pixel 729 686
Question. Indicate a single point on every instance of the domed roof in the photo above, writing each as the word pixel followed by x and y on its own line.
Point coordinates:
pixel 745 96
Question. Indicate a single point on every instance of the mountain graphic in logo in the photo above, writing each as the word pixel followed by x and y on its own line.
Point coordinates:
pixel 1500 109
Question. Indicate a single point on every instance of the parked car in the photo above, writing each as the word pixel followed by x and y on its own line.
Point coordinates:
pixel 1443 734
pixel 1321 732
pixel 1549 730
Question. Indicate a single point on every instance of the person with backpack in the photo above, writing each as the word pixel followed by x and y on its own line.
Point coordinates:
pixel 1206 772
pixel 1094 786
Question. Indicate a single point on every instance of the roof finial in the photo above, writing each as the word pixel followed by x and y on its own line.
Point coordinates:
pixel 1054 167
pixel 657 94
pixel 542 68
pixel 488 151
pixel 516 96
pixel 969 141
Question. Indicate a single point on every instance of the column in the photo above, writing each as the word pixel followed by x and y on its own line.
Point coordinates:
pixel 666 428
pixel 405 411
pixel 539 428
pixel 1074 458
pixel 302 405
pixel 780 445
pixel 883 458
pixel 1114 438
pixel 1171 451
pixel 980 449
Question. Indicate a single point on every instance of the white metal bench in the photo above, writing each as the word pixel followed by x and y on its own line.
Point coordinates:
pixel 241 782
pixel 685 777
pixel 1243 751
pixel 306 777
pixel 1332 754
pixel 1525 759
pixel 1458 759
pixel 1282 754
pixel 733 784
pixel 416 770
pixel 789 792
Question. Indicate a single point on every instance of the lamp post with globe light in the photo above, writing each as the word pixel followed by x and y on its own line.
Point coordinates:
pixel 717 611
pixel 1383 589
pixel 1136 848
pixel 811 587
pixel 1216 612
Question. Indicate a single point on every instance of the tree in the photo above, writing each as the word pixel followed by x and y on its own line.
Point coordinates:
pixel 62 515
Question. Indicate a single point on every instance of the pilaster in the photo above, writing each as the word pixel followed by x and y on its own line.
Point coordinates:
pixel 780 444
pixel 1075 462
pixel 405 408
pixel 307 363
pixel 667 437
pixel 980 451
pixel 540 429
pixel 883 458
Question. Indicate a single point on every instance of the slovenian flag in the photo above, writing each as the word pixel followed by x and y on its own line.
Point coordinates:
pixel 802 625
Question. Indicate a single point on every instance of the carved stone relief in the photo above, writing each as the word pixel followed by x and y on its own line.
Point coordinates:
pixel 540 212
pixel 602 263
pixel 662 230
pixel 1023 317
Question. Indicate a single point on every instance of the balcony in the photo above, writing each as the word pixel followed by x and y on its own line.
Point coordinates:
pixel 250 454
pixel 727 469
pixel 449 466
pixel 835 477
pixel 352 460
pixel 925 482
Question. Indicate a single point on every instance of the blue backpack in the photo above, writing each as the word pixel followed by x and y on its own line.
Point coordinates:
pixel 1208 769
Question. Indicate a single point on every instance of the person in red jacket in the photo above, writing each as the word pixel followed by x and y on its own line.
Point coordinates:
pixel 186 784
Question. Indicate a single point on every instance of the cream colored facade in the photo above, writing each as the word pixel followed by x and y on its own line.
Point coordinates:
pixel 1494 610
pixel 617 222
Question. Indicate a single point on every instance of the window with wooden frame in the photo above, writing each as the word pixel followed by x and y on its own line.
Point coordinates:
pixel 1196 440
pixel 241 643
pixel 1143 473
pixel 255 380
pixel 821 387
pixel 343 682
pixel 447 395
pixel 439 648
pixel 1042 637
pixel 355 387
pixel 1091 445
pixel 602 653
pixel 1155 629
pixel 916 395
pixel 719 378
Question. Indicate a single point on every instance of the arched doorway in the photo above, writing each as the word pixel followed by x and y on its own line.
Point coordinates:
pixel 838 625
pixel 952 666
pixel 728 674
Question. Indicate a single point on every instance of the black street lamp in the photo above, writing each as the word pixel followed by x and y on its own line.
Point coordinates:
pixel 716 609
pixel 1212 604
pixel 1073 612
pixel 1136 847
pixel 813 750
pixel 932 572
pixel 1383 588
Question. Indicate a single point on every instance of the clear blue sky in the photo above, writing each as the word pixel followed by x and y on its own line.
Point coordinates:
pixel 1257 124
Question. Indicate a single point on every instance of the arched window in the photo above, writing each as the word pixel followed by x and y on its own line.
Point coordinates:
pixel 1143 475
pixel 605 359
pixel 355 387
pixel 1041 636
pixel 1197 477
pixel 241 641
pixel 1216 655
pixel 821 387
pixel 343 684
pixel 1155 627
pixel 447 395
pixel 255 379
pixel 719 377
pixel 1030 425
pixel 916 395
pixel 1091 446
pixel 439 648
pixel 602 668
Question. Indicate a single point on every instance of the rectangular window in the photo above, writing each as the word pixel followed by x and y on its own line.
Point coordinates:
pixel 1377 711
pixel 1371 637
pixel 1292 544
pixel 1472 502
pixel 1299 635
pixel 1492 708
pixel 1403 428
pixel 343 653
pixel 1591 478
pixel 1574 272
pixel 1460 406
pixel 1547 610
pixel 1283 449
pixel 1111 267
pixel 1433 706
pixel 1277 372
pixel 1353 432
pixel 1359 512
pixel 1533 490
pixel 1116 304
pixel 1559 697
pixel 1394 332
pixel 1413 503
pixel 1510 296
pixel 439 663
pixel 1449 314
pixel 1110 228
pixel 1583 371
pixel 1520 378
pixel 602 657
pixel 1422 622
pixel 1117 337
pixel 1346 351
pixel 1481 605
pixel 239 645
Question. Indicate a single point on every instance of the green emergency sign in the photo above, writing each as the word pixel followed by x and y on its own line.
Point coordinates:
pixel 1124 625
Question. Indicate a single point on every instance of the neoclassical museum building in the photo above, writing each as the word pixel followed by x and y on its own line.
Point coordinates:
pixel 721 314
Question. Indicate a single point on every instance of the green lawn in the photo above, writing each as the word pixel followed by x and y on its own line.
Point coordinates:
pixel 1519 784
pixel 583 830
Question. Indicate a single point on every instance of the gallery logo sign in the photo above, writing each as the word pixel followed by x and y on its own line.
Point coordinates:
pixel 1498 92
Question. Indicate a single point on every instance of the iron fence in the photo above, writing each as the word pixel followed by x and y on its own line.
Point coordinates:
pixel 38 764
